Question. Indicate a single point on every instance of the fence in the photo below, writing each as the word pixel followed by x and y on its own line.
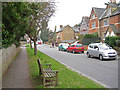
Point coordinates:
pixel 6 57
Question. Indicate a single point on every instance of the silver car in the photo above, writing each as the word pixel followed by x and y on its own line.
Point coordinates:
pixel 101 50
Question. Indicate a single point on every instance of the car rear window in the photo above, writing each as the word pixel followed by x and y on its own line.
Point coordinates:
pixel 79 45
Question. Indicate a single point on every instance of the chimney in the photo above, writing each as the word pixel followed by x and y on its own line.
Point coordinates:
pixel 61 26
pixel 76 26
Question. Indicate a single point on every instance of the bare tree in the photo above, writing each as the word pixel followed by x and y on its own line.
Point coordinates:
pixel 39 16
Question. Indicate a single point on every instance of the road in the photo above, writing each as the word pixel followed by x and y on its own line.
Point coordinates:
pixel 105 72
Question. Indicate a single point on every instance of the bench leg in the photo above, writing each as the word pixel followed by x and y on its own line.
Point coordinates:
pixel 57 79
pixel 44 81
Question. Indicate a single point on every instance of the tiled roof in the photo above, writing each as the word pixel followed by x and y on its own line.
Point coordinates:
pixel 98 11
pixel 74 28
pixel 69 41
pixel 116 11
pixel 114 28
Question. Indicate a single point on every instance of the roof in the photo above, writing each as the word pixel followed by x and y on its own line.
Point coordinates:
pixel 116 10
pixel 68 41
pixel 98 11
pixel 114 28
pixel 74 28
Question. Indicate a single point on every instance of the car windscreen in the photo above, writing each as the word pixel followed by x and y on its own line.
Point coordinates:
pixel 79 45
pixel 104 47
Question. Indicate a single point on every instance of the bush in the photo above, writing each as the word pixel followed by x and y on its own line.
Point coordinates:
pixel 113 41
pixel 87 41
pixel 118 43
pixel 95 35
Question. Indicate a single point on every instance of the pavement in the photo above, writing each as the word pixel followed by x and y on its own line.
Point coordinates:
pixel 17 75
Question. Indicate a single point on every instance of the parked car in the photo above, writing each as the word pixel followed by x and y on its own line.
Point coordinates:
pixel 101 50
pixel 39 43
pixel 75 48
pixel 63 46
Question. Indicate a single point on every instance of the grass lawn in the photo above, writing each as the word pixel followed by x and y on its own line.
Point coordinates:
pixel 67 78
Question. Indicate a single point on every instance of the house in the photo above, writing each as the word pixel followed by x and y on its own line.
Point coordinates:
pixel 112 31
pixel 67 34
pixel 110 20
pixel 84 26
pixel 94 20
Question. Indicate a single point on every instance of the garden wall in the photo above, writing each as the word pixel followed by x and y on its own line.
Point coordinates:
pixel 6 57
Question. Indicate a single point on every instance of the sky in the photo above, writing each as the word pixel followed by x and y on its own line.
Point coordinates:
pixel 70 12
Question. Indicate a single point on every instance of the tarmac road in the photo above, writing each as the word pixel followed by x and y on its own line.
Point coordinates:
pixel 105 72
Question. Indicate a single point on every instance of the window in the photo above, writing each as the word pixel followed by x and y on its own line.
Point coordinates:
pixel 95 46
pixel 93 16
pixel 93 24
pixel 105 23
pixel 72 45
pixel 91 46
pixel 79 45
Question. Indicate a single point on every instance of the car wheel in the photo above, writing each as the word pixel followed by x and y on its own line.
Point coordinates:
pixel 67 51
pixel 59 49
pixel 114 59
pixel 82 51
pixel 74 51
pixel 88 55
pixel 101 57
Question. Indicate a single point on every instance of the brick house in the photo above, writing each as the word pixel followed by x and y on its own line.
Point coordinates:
pixel 94 19
pixel 84 26
pixel 110 20
pixel 112 31
pixel 67 33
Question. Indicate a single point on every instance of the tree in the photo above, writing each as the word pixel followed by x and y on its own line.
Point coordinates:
pixel 44 32
pixel 14 21
pixel 40 13
pixel 54 37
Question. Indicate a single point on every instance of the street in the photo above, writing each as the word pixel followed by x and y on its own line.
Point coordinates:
pixel 105 72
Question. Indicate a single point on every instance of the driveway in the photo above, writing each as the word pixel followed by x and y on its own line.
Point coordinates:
pixel 106 72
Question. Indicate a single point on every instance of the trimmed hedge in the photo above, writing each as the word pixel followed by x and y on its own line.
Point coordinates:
pixel 87 41
pixel 113 41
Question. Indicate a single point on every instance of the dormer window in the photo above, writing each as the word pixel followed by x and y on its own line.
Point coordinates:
pixel 93 16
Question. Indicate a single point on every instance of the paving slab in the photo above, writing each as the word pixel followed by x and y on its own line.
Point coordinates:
pixel 17 75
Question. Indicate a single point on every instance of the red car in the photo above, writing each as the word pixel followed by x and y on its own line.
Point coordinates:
pixel 39 43
pixel 75 48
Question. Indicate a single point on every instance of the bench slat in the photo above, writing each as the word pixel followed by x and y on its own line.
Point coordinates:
pixel 48 73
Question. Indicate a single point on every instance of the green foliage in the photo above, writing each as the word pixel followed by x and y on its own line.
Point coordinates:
pixel 87 41
pixel 24 17
pixel 28 45
pixel 90 38
pixel 81 36
pixel 113 41
pixel 14 21
pixel 118 43
pixel 91 35
pixel 44 35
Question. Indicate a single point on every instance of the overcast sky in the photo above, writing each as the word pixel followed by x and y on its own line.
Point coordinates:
pixel 70 12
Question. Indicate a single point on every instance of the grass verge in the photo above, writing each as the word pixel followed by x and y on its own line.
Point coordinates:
pixel 67 78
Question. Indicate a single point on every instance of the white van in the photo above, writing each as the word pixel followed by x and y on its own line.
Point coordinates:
pixel 101 50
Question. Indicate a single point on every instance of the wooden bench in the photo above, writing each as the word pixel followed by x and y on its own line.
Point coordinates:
pixel 49 76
